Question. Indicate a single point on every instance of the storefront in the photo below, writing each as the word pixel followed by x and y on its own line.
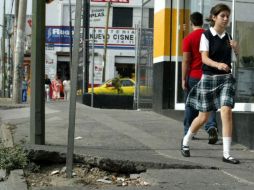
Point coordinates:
pixel 170 18
pixel 119 52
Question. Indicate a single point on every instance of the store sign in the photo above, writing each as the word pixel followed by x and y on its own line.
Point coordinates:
pixel 98 72
pixel 97 16
pixel 117 37
pixel 112 1
pixel 50 68
pixel 59 36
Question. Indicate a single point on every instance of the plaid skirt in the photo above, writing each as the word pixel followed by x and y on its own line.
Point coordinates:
pixel 212 92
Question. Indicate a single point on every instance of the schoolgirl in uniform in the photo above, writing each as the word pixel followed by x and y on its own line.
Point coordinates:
pixel 216 90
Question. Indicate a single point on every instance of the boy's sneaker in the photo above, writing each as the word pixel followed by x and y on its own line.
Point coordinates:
pixel 213 136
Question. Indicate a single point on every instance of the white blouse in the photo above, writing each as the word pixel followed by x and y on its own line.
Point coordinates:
pixel 204 43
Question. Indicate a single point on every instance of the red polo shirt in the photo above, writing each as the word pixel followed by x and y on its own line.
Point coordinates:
pixel 191 44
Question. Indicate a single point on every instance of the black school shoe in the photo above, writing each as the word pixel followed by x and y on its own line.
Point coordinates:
pixel 185 150
pixel 230 160
pixel 213 136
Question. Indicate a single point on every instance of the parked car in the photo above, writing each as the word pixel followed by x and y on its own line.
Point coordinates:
pixel 123 86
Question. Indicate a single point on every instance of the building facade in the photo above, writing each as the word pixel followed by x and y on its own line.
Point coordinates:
pixel 123 19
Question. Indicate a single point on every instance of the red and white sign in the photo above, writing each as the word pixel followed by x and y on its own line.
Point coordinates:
pixel 112 1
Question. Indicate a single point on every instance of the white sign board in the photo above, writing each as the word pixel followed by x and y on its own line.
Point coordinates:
pixel 97 16
pixel 117 37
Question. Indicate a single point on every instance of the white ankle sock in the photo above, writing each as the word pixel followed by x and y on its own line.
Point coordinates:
pixel 187 138
pixel 226 146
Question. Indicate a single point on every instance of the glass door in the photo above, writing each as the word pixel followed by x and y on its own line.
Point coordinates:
pixel 184 9
pixel 244 65
pixel 241 27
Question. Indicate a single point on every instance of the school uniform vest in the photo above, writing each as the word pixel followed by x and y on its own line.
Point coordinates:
pixel 219 51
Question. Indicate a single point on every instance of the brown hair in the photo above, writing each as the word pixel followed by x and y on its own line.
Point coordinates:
pixel 216 10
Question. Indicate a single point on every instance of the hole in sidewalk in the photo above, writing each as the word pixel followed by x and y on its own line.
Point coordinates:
pixel 48 169
pixel 83 175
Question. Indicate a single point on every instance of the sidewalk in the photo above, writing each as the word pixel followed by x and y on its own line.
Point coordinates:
pixel 144 137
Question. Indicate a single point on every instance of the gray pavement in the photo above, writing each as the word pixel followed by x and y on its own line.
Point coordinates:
pixel 142 137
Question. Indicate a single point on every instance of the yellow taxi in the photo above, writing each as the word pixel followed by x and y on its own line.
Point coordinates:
pixel 121 86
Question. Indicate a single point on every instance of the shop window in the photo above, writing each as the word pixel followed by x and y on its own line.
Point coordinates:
pixel 151 18
pixel 122 17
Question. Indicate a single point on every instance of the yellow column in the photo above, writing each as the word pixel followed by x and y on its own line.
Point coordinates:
pixel 165 29
pixel 165 67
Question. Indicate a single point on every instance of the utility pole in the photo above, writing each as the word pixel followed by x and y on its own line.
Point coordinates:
pixel 16 15
pixel 19 52
pixel 3 53
pixel 10 66
pixel 105 42
pixel 15 23
pixel 73 95
pixel 14 40
pixel 86 27
pixel 37 105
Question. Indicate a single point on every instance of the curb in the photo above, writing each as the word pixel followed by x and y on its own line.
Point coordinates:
pixel 16 178
pixel 7 135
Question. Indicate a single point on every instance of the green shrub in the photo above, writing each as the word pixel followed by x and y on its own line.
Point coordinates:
pixel 12 158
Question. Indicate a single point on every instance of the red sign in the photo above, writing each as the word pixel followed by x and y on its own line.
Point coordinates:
pixel 29 21
pixel 112 1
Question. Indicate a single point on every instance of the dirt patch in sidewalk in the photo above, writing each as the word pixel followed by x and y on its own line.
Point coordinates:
pixel 83 175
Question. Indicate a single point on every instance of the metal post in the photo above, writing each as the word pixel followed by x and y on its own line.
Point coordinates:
pixel 86 16
pixel 105 43
pixel 73 95
pixel 70 30
pixel 139 54
pixel 37 109
pixel 177 46
pixel 233 56
pixel 92 83
pixel 3 53
pixel 136 65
